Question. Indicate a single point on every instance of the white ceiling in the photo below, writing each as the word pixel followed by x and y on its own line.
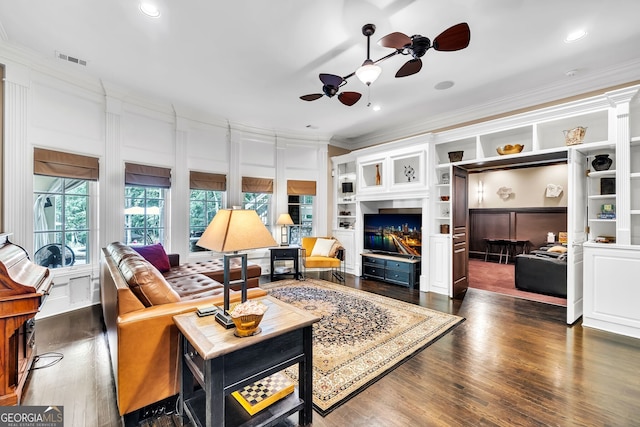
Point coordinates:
pixel 249 61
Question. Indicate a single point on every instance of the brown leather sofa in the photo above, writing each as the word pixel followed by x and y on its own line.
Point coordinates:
pixel 138 305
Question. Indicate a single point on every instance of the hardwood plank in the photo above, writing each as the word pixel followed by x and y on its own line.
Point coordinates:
pixel 512 362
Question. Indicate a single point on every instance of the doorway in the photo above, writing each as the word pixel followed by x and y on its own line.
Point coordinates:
pixel 509 202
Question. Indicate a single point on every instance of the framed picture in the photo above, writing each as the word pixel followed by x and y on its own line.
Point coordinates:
pixel 607 186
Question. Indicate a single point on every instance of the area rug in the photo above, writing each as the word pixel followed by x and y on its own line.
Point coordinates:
pixel 361 337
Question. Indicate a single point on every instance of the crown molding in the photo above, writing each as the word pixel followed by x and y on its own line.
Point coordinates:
pixel 512 104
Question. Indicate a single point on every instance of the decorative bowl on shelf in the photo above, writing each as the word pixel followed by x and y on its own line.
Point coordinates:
pixel 510 149
pixel 444 198
pixel 574 136
pixel 455 156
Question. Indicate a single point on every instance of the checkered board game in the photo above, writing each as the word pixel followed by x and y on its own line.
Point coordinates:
pixel 257 396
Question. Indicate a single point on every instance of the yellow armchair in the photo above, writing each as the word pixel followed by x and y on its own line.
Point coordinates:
pixel 323 252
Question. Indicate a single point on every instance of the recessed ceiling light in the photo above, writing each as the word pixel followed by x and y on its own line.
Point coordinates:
pixel 571 73
pixel 444 85
pixel 149 9
pixel 376 108
pixel 575 36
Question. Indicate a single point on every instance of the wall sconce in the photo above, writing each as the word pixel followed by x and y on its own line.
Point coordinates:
pixel 480 192
pixel 284 221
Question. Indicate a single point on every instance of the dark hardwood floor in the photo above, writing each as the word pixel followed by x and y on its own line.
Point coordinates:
pixel 512 362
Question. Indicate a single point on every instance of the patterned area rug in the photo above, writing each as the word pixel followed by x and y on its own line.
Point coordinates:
pixel 361 337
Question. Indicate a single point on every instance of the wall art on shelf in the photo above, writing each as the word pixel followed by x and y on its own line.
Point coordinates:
pixel 607 186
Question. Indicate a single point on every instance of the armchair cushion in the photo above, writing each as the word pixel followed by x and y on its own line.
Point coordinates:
pixel 322 247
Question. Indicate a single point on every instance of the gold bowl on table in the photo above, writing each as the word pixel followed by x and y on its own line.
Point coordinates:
pixel 510 149
pixel 247 325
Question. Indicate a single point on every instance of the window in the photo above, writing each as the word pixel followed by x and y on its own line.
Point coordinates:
pixel 301 195
pixel 62 184
pixel 203 206
pixel 144 202
pixel 206 198
pixel 144 215
pixel 257 196
pixel 301 212
pixel 61 221
pixel 261 203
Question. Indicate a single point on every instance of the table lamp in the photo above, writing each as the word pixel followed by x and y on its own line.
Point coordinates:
pixel 284 220
pixel 230 231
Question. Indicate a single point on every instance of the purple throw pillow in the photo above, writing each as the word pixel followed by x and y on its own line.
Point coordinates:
pixel 156 255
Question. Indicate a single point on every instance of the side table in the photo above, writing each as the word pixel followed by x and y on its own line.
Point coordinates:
pixel 284 254
pixel 222 363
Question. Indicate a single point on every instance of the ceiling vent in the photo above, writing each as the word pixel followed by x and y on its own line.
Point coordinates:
pixel 72 59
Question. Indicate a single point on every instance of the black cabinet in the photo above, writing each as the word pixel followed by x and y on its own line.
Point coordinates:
pixel 285 261
pixel 392 269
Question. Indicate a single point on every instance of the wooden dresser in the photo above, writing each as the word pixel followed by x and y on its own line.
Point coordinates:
pixel 23 288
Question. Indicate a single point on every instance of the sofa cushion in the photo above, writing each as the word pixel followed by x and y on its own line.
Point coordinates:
pixel 195 286
pixel 156 255
pixel 147 283
pixel 558 249
pixel 213 268
pixel 119 251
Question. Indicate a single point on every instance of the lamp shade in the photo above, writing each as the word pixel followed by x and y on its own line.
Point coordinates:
pixel 284 219
pixel 368 72
pixel 233 230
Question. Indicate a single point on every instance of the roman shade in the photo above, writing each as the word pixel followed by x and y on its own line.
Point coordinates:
pixel 64 165
pixel 301 188
pixel 207 181
pixel 257 185
pixel 147 176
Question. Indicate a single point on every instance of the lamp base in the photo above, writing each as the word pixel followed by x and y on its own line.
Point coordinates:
pixel 224 319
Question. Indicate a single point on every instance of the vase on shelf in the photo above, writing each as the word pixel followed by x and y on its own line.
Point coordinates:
pixel 602 162
pixel 377 174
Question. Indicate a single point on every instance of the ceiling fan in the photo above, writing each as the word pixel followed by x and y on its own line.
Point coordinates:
pixel 451 39
pixel 331 83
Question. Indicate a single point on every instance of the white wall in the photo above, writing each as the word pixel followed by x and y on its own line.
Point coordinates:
pixel 529 187
pixel 46 107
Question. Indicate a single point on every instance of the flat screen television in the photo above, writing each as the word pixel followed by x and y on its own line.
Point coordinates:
pixel 393 233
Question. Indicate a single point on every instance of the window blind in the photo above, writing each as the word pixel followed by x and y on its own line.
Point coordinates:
pixel 65 165
pixel 207 181
pixel 147 176
pixel 257 185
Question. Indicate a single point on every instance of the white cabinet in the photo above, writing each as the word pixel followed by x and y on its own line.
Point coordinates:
pixel 601 194
pixel 346 195
pixel 347 238
pixel 611 291
pixel 386 174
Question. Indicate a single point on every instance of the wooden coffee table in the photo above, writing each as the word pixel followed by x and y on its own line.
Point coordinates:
pixel 222 363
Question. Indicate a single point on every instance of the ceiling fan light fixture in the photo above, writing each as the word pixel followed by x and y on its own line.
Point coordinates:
pixel 149 9
pixel 368 72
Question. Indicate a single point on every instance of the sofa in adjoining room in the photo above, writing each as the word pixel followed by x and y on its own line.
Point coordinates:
pixel 543 271
pixel 138 304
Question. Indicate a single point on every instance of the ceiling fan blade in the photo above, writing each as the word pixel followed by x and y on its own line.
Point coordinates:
pixel 349 98
pixel 395 40
pixel 410 67
pixel 311 97
pixel 454 38
pixel 331 79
